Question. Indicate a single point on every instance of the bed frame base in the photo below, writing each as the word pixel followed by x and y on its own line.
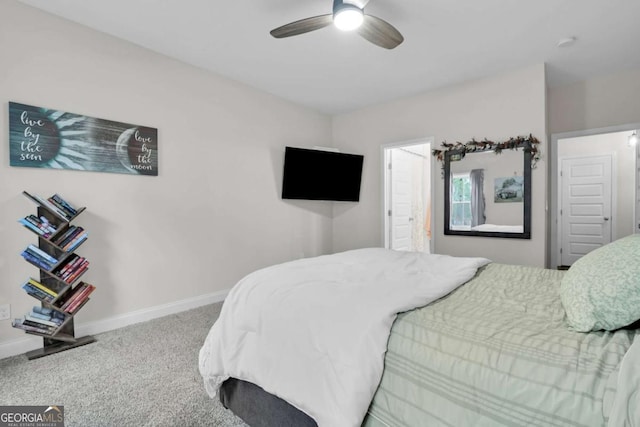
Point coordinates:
pixel 258 408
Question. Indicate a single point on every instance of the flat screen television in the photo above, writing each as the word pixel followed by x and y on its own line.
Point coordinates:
pixel 321 175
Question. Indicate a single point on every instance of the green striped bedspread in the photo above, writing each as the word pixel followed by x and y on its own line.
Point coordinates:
pixel 497 352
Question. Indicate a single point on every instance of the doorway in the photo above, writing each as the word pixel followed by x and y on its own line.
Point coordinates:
pixel 594 192
pixel 407 196
pixel 587 213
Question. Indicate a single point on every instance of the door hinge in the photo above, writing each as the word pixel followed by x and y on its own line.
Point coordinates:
pixel 389 212
pixel 560 211
pixel 560 250
pixel 389 166
pixel 560 173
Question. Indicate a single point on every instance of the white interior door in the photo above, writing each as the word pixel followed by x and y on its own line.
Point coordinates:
pixel 400 200
pixel 408 197
pixel 586 206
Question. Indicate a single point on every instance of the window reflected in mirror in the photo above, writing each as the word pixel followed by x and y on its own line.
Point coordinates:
pixel 461 201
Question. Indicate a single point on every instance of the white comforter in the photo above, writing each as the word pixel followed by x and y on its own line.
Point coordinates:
pixel 314 331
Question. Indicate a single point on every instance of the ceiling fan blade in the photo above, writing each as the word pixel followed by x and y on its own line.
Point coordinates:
pixel 380 32
pixel 302 26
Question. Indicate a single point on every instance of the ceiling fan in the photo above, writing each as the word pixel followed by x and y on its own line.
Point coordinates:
pixel 348 17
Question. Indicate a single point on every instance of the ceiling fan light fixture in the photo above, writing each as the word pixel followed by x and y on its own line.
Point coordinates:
pixel 348 17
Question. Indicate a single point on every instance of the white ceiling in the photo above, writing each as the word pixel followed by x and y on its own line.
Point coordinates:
pixel 446 42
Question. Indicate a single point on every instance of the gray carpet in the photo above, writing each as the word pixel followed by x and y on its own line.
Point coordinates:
pixel 141 375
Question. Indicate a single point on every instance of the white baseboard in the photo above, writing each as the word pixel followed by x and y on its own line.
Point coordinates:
pixel 19 346
pixel 29 342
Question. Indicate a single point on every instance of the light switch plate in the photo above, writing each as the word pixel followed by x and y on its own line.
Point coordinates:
pixel 5 311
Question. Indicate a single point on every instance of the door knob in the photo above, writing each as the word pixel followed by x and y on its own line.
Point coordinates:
pixel 606 218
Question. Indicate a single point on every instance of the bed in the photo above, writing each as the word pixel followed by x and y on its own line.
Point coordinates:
pixel 498 349
pixel 499 228
pixel 490 228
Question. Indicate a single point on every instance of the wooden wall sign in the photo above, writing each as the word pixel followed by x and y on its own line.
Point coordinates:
pixel 53 139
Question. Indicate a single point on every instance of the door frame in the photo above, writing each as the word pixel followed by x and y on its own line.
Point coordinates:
pixel 613 187
pixel 384 180
pixel 553 246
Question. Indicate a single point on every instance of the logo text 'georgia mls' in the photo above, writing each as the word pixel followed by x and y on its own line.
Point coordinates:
pixel 31 416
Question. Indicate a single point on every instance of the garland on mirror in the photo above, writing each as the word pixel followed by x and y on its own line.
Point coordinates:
pixel 485 145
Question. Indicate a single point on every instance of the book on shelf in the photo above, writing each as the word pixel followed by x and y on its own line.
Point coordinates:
pixel 27 319
pixel 51 312
pixel 72 269
pixel 77 272
pixel 54 322
pixel 41 222
pixel 64 235
pixel 79 238
pixel 47 316
pixel 39 315
pixel 34 256
pixel 73 294
pixel 80 300
pixel 31 318
pixel 34 228
pixel 79 265
pixel 37 261
pixel 69 263
pixel 37 227
pixel 45 222
pixel 42 254
pixel 69 236
pixel 60 272
pixel 34 283
pixel 52 208
pixel 63 204
pixel 38 293
pixel 79 294
pixel 25 326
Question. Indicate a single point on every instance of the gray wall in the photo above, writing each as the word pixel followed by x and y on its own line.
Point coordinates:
pixel 495 108
pixel 596 103
pixel 212 215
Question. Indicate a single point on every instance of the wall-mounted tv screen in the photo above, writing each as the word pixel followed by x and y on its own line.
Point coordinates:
pixel 321 175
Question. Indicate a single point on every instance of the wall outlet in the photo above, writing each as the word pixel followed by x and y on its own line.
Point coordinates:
pixel 5 311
